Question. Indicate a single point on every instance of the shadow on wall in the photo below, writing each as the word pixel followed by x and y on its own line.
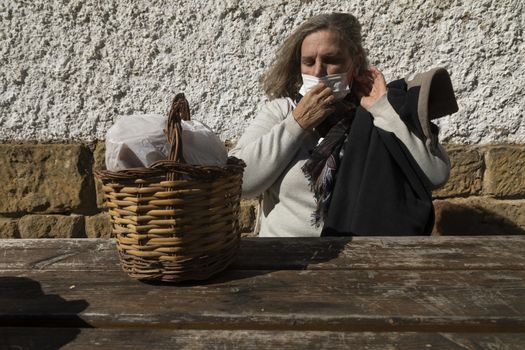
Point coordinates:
pixel 461 219
pixel 54 320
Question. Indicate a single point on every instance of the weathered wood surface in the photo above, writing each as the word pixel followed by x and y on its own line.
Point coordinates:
pixel 285 293
pixel 385 253
pixel 152 339
pixel 334 300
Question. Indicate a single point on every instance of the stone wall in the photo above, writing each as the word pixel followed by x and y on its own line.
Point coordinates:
pixel 48 190
pixel 485 193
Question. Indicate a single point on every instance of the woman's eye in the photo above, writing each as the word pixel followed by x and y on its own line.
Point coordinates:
pixel 308 63
pixel 334 60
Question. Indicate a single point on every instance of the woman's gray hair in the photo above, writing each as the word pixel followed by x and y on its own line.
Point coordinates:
pixel 283 79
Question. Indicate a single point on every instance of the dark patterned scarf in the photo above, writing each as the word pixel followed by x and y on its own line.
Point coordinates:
pixel 321 168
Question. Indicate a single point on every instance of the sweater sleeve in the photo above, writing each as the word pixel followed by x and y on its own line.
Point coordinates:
pixel 435 165
pixel 268 145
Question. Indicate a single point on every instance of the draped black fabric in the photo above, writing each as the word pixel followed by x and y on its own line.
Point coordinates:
pixel 379 188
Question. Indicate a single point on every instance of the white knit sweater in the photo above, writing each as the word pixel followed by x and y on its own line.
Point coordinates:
pixel 275 148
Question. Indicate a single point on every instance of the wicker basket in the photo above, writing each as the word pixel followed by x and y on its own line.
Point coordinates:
pixel 173 221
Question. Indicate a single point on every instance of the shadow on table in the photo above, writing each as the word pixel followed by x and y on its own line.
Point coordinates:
pixel 54 321
pixel 260 256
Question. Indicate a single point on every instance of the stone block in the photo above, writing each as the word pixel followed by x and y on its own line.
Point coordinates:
pixel 99 162
pixel 505 171
pixel 479 216
pixel 466 174
pixel 52 226
pixel 9 228
pixel 98 226
pixel 99 156
pixel 248 215
pixel 46 178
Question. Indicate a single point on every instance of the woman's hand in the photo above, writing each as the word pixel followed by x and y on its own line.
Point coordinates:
pixel 314 107
pixel 371 86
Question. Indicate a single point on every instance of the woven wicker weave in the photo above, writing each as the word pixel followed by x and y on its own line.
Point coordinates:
pixel 174 221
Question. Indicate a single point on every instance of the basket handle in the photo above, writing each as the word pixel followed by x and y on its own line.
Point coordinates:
pixel 180 110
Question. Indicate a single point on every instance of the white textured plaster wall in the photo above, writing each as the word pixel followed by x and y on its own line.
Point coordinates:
pixel 69 68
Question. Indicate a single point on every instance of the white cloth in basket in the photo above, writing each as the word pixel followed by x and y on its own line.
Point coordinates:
pixel 139 140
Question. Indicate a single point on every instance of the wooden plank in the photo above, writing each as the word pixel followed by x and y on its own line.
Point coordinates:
pixel 390 253
pixel 58 254
pixel 385 253
pixel 330 300
pixel 152 339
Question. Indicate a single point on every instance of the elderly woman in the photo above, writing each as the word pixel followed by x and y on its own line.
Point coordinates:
pixel 329 152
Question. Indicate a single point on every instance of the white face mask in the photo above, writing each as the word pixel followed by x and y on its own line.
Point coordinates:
pixel 337 82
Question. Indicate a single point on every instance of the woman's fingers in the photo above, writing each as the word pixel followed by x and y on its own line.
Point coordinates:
pixel 320 90
pixel 378 77
pixel 320 94
pixel 377 88
pixel 316 89
pixel 329 100
pixel 314 107
pixel 325 93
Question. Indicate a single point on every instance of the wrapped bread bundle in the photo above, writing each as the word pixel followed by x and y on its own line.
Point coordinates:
pixel 136 141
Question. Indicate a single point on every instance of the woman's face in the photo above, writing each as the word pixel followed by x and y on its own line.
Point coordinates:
pixel 322 54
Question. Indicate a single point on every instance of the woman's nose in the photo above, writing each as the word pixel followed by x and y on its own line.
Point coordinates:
pixel 319 70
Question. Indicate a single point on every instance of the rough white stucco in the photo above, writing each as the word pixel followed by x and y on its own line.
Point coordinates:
pixel 69 68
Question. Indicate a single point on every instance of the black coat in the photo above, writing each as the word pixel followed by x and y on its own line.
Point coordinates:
pixel 379 187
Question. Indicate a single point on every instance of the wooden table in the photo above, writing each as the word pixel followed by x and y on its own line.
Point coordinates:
pixel 334 293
